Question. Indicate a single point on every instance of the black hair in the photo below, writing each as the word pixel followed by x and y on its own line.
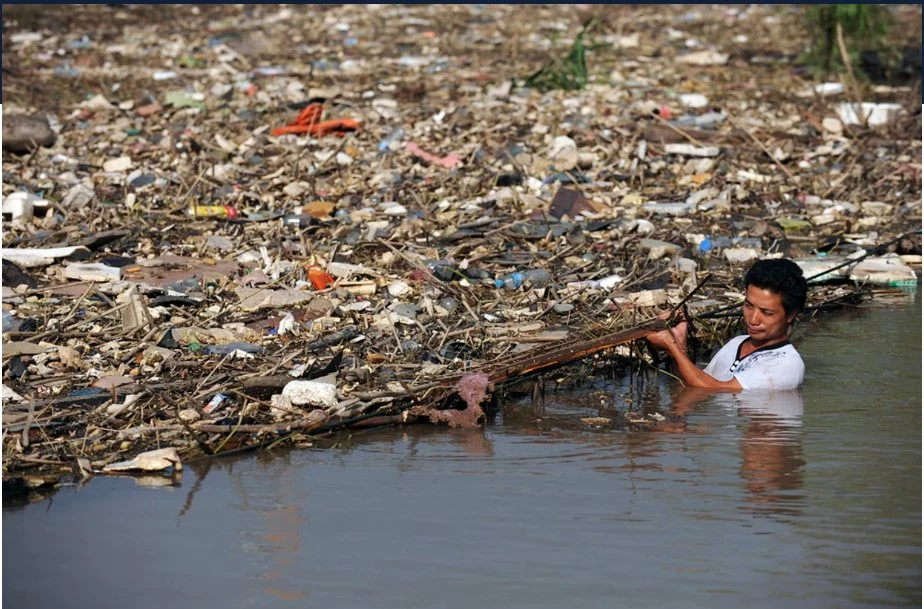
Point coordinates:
pixel 783 277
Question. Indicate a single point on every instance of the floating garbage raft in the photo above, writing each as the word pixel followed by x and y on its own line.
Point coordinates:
pixel 303 221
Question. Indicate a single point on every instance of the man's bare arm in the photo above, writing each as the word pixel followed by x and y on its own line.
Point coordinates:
pixel 691 374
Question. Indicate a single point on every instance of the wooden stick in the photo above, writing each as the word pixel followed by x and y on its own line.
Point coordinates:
pixel 29 419
pixel 55 287
pixel 37 460
pixel 845 57
pixel 559 356
pixel 301 424
pixel 680 132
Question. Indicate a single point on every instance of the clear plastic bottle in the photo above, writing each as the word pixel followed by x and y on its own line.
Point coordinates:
pixel 476 274
pixel 708 120
pixel 190 284
pixel 713 243
pixel 392 138
pixel 536 278
pixel 231 348
pixel 754 242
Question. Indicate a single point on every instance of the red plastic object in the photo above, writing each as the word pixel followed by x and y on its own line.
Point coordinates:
pixel 319 279
pixel 309 121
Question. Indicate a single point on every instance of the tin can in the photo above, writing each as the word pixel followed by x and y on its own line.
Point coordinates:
pixel 212 211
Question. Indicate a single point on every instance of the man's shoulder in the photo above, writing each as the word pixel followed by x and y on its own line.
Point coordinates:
pixel 791 351
pixel 736 342
pixel 783 352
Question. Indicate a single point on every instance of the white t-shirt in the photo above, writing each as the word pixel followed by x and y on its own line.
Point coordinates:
pixel 779 367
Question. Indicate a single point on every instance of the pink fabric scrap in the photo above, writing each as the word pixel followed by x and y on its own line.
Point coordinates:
pixel 449 161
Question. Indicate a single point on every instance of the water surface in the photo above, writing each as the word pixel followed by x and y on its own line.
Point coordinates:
pixel 806 500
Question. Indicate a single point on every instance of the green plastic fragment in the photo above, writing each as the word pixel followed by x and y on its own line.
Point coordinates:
pixel 190 61
pixel 793 224
pixel 183 99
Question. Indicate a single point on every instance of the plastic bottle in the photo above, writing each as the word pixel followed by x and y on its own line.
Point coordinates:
pixel 476 274
pixel 231 348
pixel 190 284
pixel 334 338
pixel 712 243
pixel 393 137
pixel 442 270
pixel 754 242
pixel 606 283
pixel 300 220
pixel 703 121
pixel 536 278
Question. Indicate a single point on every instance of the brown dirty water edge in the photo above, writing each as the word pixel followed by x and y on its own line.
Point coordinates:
pixel 241 227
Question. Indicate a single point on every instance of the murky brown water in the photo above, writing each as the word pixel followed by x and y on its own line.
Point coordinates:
pixel 811 501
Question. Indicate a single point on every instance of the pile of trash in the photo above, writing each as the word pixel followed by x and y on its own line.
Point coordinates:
pixel 230 226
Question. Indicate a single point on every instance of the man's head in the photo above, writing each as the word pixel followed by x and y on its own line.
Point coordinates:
pixel 783 277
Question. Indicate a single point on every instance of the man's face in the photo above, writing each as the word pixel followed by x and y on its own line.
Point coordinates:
pixel 765 317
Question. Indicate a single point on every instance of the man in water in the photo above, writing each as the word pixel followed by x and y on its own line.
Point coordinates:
pixel 775 293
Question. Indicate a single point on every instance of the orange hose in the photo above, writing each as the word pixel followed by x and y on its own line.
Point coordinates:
pixel 309 121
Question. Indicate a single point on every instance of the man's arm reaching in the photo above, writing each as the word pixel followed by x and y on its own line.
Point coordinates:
pixel 673 341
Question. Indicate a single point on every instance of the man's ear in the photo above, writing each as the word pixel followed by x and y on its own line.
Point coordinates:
pixel 791 318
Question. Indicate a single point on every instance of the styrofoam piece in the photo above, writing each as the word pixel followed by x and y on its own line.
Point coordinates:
pixel 884 270
pixel 874 114
pixel 22 204
pixel 93 272
pixel 691 150
pixel 31 257
pixel 310 393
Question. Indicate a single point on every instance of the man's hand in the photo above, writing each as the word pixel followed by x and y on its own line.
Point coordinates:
pixel 674 341
pixel 667 339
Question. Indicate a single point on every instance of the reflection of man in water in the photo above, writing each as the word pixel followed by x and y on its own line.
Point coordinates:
pixel 763 358
pixel 772 463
